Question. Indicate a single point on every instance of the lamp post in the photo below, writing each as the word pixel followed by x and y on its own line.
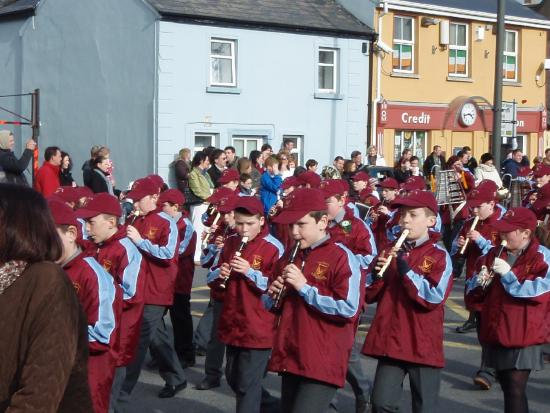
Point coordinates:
pixel 497 101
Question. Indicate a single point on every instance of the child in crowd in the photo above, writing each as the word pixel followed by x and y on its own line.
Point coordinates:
pixel 270 183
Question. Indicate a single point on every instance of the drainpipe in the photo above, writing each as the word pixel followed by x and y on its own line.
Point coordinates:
pixel 384 11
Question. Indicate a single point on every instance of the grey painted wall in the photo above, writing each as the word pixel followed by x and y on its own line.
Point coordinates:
pixel 277 75
pixel 362 9
pixel 94 62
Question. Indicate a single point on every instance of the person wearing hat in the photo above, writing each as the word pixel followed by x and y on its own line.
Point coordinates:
pixel 359 181
pixel 320 304
pixel 120 257
pixel 384 212
pixel 309 179
pixel 406 335
pixel 352 232
pixel 280 231
pixel 512 285
pixel 156 236
pixel 229 179
pixel 101 301
pixel 245 326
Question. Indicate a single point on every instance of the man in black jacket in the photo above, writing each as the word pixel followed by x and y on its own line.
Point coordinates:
pixel 14 168
pixel 435 158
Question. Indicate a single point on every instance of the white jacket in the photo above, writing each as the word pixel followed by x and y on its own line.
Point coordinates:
pixel 484 171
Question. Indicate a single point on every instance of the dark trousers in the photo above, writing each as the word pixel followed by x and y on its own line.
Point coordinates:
pixel 204 328
pixel 215 349
pixel 244 371
pixel 182 322
pixel 356 377
pixel 300 394
pixel 487 372
pixel 388 386
pixel 153 334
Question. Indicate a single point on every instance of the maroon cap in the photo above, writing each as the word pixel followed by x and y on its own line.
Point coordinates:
pixel 414 182
pixel 62 214
pixel 252 204
pixel 141 188
pixel 102 203
pixel 541 169
pixel 173 196
pixel 485 191
pixel 360 176
pixel 299 203
pixel 229 175
pixel 416 199
pixel 290 181
pixel 219 194
pixel 84 192
pixel 68 193
pixel 516 218
pixel 331 187
pixel 543 198
pixel 157 179
pixel 227 203
pixel 367 198
pixel 309 177
pixel 389 183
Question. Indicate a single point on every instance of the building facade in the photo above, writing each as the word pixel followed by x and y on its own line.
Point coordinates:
pixel 433 77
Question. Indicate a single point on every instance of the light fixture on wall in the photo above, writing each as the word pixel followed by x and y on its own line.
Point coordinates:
pixel 429 21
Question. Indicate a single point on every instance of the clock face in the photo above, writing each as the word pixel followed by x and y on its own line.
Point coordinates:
pixel 468 114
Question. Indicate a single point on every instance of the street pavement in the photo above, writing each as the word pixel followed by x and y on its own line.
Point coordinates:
pixel 457 393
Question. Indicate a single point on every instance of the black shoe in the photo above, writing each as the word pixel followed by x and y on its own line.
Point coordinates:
pixel 207 384
pixel 362 405
pixel 170 391
pixel 466 327
pixel 201 352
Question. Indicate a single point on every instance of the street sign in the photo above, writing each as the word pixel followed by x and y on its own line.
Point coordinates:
pixel 509 119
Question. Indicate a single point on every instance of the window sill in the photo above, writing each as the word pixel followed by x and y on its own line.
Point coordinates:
pixel 459 79
pixel 513 84
pixel 223 89
pixel 330 96
pixel 405 75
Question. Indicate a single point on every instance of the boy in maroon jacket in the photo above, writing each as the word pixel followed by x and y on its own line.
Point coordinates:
pixel 245 326
pixel 406 335
pixel 316 327
pixel 156 236
pixel 101 301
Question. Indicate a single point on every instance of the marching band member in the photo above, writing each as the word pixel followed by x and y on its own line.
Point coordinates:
pixel 406 335
pixel 282 232
pixel 384 211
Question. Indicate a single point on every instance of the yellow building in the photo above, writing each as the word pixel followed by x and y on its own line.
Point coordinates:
pixel 433 76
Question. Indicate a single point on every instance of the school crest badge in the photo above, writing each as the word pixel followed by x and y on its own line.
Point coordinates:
pixel 321 270
pixel 427 264
pixel 107 264
pixel 257 262
pixel 76 287
pixel 346 226
pixel 152 233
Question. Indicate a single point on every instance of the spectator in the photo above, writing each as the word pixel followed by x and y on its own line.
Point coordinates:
pixel 350 168
pixel 65 175
pixel 471 164
pixel 288 145
pixel 537 160
pixel 373 158
pixel 231 157
pixel 217 166
pixel 182 167
pixel 292 164
pixel 267 151
pixel 47 177
pixel 357 158
pixel 299 170
pixel 245 185
pixel 311 165
pixel 87 167
pixel 257 168
pixel 403 171
pixel 487 170
pixel 415 166
pixel 44 356
pixel 338 163
pixel 511 166
pixel 271 183
pixel 99 181
pixel 14 168
pixel 284 170
pixel 436 158
pixel 406 154
pixel 546 159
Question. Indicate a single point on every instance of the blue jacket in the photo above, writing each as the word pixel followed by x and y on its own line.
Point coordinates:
pixel 269 188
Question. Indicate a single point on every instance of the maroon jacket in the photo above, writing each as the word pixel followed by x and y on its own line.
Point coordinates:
pixel 380 229
pixel 158 247
pixel 186 251
pixel 121 258
pixel 317 325
pixel 408 324
pixel 515 307
pixel 244 321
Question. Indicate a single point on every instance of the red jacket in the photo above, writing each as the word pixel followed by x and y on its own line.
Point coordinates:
pixel 186 251
pixel 244 321
pixel 121 258
pixel 159 244
pixel 380 227
pixel 47 179
pixel 408 324
pixel 515 307
pixel 317 325
pixel 211 256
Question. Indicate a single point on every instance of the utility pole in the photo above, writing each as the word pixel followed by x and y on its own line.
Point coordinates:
pixel 497 101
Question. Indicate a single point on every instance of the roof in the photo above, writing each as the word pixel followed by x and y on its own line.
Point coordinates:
pixel 318 16
pixel 14 8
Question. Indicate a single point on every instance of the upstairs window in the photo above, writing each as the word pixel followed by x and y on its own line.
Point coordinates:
pixel 510 64
pixel 403 44
pixel 328 70
pixel 458 50
pixel 223 62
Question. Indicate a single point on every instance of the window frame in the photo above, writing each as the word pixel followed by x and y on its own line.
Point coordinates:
pixel 246 138
pixel 507 54
pixel 233 47
pixel 405 42
pixel 214 140
pixel 334 65
pixel 400 133
pixel 457 47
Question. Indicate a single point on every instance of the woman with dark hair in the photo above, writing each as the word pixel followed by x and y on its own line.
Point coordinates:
pixel 403 170
pixel 487 170
pixel 99 179
pixel 44 356
pixel 257 169
pixel 65 175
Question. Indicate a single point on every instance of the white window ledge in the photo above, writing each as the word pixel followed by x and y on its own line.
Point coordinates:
pixel 223 89
pixel 511 83
pixel 406 75
pixel 331 96
pixel 459 79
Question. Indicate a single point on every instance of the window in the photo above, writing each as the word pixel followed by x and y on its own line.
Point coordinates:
pixel 203 140
pixel 328 70
pixel 403 44
pixel 458 50
pixel 413 140
pixel 223 62
pixel 244 144
pixel 510 69
pixel 298 150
